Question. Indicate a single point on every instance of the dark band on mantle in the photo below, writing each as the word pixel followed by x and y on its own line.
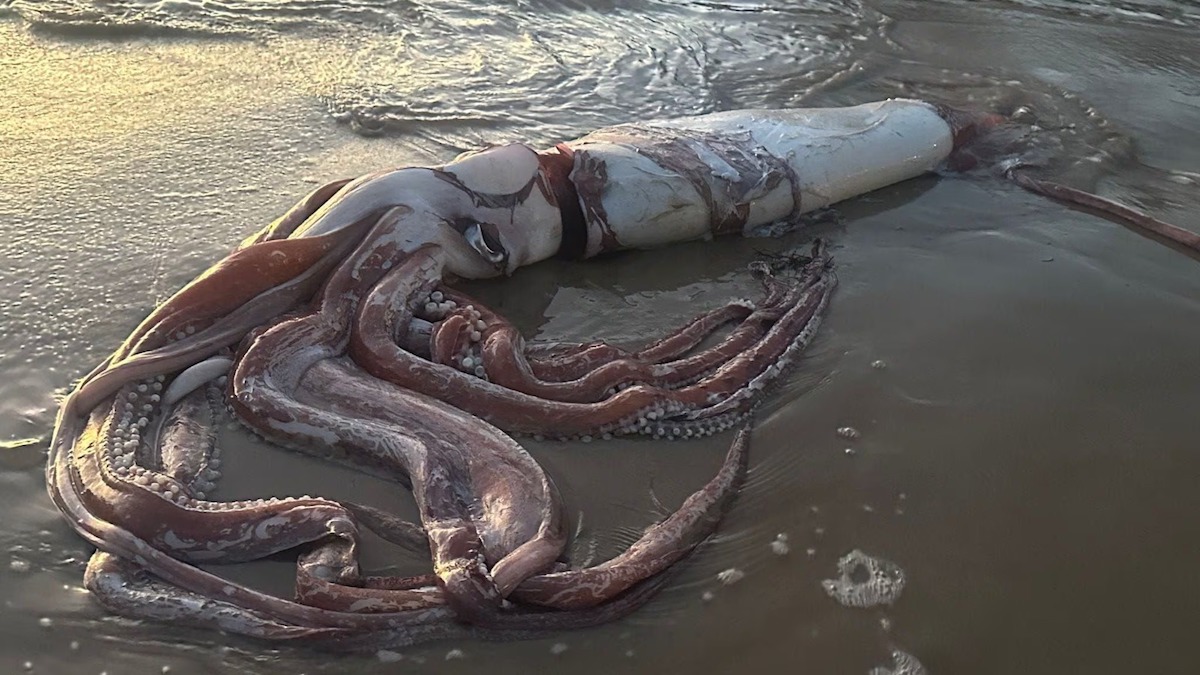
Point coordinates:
pixel 557 165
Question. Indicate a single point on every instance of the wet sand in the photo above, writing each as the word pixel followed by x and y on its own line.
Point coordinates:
pixel 1027 454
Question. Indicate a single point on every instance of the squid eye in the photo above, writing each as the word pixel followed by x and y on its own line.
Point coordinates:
pixel 484 238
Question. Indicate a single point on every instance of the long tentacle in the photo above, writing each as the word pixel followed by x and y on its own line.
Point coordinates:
pixel 599 369
pixel 1139 220
pixel 655 551
pixel 637 409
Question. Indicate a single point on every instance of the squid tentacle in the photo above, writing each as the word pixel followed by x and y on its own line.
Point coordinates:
pixel 631 410
pixel 654 552
pixel 354 345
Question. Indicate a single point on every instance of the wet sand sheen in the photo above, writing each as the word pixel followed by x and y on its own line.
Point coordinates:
pixel 1025 455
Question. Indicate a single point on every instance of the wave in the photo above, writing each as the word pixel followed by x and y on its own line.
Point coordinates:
pixel 199 18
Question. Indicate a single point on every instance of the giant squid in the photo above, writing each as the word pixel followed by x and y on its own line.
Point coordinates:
pixel 337 330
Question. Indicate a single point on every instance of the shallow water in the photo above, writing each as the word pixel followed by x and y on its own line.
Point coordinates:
pixel 1027 455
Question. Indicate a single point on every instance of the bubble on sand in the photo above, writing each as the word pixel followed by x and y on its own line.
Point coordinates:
pixel 388 656
pixel 730 576
pixel 864 581
pixel 903 663
pixel 849 433
pixel 780 544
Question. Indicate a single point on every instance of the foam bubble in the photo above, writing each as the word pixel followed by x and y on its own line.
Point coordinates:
pixel 779 546
pixel 730 576
pixel 903 663
pixel 388 656
pixel 864 581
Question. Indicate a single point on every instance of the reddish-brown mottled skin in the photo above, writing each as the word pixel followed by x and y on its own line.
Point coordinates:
pixel 1185 239
pixel 330 377
pixel 353 346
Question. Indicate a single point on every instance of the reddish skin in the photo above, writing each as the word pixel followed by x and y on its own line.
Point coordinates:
pixel 231 298
pixel 970 126
pixel 268 396
pixel 449 338
pixel 659 547
pixel 1187 240
pixel 491 517
pixel 585 373
pixel 150 517
pixel 386 306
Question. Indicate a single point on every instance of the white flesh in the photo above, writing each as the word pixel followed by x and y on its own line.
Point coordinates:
pixel 835 153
